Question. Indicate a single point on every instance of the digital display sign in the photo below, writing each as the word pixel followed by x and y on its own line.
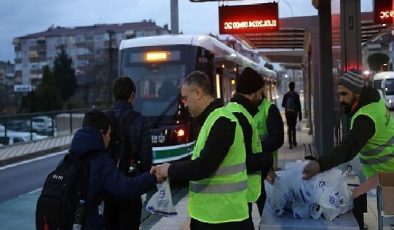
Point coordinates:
pixel 383 11
pixel 248 18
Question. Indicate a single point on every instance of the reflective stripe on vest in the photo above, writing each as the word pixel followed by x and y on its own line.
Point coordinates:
pixel 379 160
pixel 227 170
pixel 254 180
pixel 223 196
pixel 379 149
pixel 218 188
pixel 378 154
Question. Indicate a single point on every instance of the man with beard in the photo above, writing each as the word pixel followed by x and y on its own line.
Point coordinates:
pixel 371 130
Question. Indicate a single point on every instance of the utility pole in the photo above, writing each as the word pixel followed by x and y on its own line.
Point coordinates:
pixel 111 75
pixel 174 17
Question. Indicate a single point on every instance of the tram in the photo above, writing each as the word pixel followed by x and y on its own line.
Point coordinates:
pixel 158 65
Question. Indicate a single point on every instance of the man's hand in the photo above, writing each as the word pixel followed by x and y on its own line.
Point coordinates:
pixel 160 171
pixel 271 176
pixel 310 170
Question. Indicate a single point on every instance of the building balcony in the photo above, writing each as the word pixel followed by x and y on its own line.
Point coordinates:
pixel 38 59
pixel 36 71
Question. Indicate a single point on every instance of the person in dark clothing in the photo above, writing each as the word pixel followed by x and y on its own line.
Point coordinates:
pixel 372 127
pixel 250 94
pixel 218 158
pixel 291 103
pixel 127 214
pixel 105 179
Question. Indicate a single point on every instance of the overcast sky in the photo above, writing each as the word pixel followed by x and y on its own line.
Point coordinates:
pixel 22 17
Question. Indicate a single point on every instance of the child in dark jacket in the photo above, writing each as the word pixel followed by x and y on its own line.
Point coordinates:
pixel 105 179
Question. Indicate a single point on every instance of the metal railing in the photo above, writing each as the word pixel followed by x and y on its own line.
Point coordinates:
pixel 35 126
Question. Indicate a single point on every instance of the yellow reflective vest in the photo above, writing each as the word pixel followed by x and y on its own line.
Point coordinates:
pixel 223 196
pixel 378 154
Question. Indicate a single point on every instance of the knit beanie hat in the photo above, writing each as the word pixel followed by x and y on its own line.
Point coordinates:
pixel 249 81
pixel 353 80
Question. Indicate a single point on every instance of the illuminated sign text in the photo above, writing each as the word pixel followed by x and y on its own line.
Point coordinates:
pixel 383 11
pixel 248 18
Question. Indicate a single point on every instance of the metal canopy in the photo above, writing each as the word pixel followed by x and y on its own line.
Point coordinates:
pixel 290 45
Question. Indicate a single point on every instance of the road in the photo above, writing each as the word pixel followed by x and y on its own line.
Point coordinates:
pixel 26 176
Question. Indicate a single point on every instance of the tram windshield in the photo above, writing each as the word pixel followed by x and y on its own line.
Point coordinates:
pixel 157 82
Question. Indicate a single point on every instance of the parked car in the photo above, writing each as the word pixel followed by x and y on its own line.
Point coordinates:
pixel 43 125
pixel 18 137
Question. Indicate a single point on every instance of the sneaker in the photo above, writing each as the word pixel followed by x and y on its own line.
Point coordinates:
pixel 290 147
pixel 295 144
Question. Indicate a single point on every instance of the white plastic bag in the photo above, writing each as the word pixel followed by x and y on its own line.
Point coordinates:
pixel 326 194
pixel 299 126
pixel 161 202
pixel 332 194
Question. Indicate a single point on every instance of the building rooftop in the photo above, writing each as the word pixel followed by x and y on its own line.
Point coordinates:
pixel 55 31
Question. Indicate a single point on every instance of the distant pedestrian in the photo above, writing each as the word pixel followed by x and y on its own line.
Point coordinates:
pixel 131 149
pixel 291 103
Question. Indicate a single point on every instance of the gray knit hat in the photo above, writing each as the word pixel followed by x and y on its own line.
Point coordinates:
pixel 353 80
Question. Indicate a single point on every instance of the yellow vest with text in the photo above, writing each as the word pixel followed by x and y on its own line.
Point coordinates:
pixel 261 121
pixel 254 179
pixel 223 196
pixel 378 154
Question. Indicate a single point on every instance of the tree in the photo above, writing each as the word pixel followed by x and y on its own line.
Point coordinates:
pixel 376 61
pixel 29 103
pixel 48 95
pixel 64 75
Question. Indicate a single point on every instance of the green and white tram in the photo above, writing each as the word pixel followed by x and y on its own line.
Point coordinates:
pixel 158 66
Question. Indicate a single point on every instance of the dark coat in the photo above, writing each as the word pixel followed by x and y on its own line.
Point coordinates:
pixel 139 133
pixel 104 176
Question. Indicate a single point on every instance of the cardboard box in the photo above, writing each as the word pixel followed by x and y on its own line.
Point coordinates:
pixel 386 184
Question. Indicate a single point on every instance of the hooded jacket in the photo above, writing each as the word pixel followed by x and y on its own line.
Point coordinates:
pixel 363 129
pixel 104 177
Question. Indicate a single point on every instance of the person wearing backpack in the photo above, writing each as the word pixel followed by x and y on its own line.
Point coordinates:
pixel 98 177
pixel 131 150
pixel 291 103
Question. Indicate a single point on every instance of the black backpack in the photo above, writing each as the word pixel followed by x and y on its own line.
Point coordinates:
pixel 120 146
pixel 63 190
pixel 291 103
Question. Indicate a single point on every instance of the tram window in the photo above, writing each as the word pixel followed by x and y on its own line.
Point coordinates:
pixel 377 84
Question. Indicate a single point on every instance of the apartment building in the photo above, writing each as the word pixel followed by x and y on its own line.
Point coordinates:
pixel 83 44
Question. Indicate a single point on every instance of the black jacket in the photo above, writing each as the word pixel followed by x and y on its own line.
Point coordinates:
pixel 104 176
pixel 296 98
pixel 271 143
pixel 363 129
pixel 219 141
pixel 139 133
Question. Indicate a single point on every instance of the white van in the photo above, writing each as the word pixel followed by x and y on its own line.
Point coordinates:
pixel 384 83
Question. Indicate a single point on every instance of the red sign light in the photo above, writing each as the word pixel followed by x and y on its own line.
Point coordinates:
pixel 248 18
pixel 383 11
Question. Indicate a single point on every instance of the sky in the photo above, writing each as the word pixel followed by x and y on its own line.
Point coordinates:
pixel 22 17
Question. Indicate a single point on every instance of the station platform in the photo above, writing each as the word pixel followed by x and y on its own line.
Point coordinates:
pixel 11 154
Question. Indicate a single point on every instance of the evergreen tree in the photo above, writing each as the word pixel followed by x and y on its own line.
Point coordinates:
pixel 64 75
pixel 48 95
pixel 29 103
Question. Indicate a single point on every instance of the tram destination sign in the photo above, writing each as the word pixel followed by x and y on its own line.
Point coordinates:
pixel 243 19
pixel 383 11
